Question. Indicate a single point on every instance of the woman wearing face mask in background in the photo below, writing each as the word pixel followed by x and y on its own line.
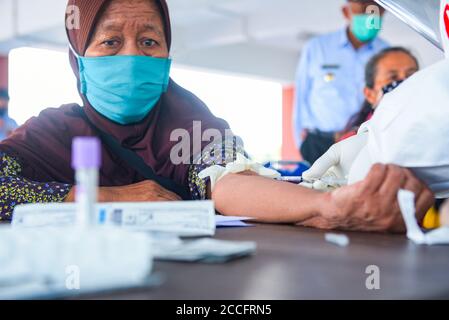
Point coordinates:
pixel 120 56
pixel 384 72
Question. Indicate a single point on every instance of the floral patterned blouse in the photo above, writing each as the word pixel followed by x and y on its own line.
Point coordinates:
pixel 16 190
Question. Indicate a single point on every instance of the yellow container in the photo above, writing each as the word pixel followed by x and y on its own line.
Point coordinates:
pixel 432 219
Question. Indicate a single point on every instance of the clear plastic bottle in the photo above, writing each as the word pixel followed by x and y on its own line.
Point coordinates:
pixel 86 160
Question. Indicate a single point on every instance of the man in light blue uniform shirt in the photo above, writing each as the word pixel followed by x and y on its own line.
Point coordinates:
pixel 7 125
pixel 330 78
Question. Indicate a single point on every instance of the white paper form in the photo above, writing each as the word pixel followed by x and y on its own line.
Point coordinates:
pixel 232 222
pixel 183 218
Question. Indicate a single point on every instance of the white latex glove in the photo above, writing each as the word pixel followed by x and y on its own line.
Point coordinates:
pixel 332 169
pixel 241 164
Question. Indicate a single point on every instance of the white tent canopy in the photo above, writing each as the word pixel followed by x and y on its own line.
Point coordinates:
pixel 422 16
pixel 261 38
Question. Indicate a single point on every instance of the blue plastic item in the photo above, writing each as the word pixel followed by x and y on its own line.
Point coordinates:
pixel 288 168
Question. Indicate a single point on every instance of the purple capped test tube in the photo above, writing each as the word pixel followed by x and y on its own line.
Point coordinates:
pixel 86 153
pixel 86 160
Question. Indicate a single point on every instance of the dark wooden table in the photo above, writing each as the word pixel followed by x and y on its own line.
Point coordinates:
pixel 297 263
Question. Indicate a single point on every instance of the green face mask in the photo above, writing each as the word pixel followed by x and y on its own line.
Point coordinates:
pixel 366 27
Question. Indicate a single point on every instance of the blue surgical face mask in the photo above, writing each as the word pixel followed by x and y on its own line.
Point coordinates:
pixel 124 89
pixel 366 27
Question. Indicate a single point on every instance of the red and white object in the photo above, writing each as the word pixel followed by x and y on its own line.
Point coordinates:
pixel 444 26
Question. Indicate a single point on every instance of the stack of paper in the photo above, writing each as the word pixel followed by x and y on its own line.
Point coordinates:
pixel 204 250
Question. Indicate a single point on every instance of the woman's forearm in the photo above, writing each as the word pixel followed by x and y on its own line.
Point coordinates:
pixel 267 200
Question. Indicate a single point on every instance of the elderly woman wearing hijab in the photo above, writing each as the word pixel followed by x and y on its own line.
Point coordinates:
pixel 120 56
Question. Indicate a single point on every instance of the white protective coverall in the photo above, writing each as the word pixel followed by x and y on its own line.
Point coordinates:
pixel 410 127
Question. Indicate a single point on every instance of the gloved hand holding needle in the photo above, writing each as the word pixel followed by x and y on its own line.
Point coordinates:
pixel 332 169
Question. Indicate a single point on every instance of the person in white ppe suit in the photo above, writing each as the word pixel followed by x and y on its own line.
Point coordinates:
pixel 409 128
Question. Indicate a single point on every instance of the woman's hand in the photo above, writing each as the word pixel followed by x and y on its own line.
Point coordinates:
pixel 145 191
pixel 371 205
